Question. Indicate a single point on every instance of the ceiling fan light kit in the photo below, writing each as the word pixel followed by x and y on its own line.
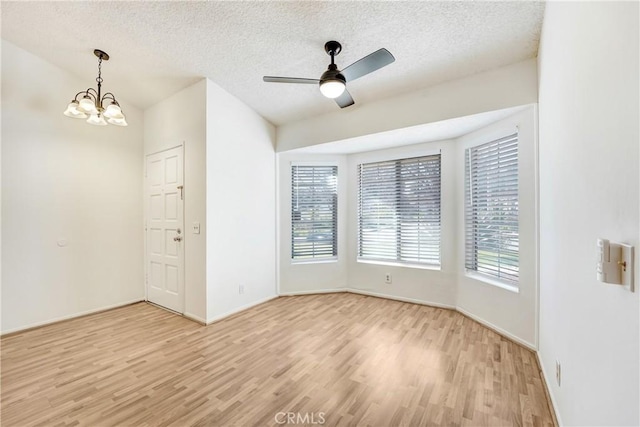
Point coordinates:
pixel 332 87
pixel 91 105
pixel 333 82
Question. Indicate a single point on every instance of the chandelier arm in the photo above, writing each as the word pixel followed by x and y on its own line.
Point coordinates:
pixel 94 94
pixel 75 98
pixel 110 96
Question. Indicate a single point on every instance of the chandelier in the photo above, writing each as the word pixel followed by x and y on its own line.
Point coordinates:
pixel 91 105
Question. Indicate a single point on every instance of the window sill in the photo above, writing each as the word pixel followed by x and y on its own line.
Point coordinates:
pixel 494 282
pixel 314 261
pixel 400 264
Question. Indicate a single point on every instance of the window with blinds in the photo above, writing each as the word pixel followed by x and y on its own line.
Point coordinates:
pixel 491 209
pixel 314 212
pixel 399 210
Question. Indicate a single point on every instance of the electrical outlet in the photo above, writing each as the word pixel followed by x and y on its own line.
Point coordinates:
pixel 558 372
pixel 387 278
pixel 241 289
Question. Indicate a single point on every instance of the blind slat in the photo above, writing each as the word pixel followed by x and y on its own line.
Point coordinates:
pixel 399 210
pixel 314 211
pixel 491 209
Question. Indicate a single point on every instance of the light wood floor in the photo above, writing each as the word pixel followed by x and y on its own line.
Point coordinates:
pixel 347 359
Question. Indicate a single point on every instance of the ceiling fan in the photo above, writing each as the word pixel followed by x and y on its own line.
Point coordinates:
pixel 333 81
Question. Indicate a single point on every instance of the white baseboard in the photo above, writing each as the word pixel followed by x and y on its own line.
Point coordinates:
pixel 497 329
pixel 70 316
pixel 239 309
pixel 195 318
pixel 316 291
pixel 545 379
pixel 397 298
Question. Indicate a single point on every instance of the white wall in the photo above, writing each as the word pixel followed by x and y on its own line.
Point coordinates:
pixel 229 188
pixel 512 312
pixel 310 276
pixel 435 287
pixel 63 179
pixel 241 207
pixel 504 87
pixel 182 119
pixel 588 189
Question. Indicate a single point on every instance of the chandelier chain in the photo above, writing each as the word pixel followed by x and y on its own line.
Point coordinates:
pixel 99 78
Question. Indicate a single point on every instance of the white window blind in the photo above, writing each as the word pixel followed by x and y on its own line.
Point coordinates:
pixel 314 212
pixel 399 210
pixel 491 211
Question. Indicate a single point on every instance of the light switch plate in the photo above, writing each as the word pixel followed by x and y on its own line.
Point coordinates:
pixel 627 273
pixel 196 228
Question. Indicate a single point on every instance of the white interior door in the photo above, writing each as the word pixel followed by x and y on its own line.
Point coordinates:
pixel 165 229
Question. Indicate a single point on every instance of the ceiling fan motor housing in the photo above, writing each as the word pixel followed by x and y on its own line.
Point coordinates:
pixel 332 74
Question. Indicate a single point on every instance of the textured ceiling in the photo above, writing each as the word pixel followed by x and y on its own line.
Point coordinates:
pixel 157 48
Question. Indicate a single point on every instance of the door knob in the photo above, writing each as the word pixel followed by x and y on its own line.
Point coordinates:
pixel 177 239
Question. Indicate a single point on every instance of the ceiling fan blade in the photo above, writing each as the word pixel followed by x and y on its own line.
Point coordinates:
pixel 271 79
pixel 368 64
pixel 345 99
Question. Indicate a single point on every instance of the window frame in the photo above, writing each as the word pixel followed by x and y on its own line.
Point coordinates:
pixel 407 156
pixel 314 259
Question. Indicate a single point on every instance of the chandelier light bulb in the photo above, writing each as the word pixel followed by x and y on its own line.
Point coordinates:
pixel 97 120
pixel 113 111
pixel 332 88
pixel 118 122
pixel 73 111
pixel 87 105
